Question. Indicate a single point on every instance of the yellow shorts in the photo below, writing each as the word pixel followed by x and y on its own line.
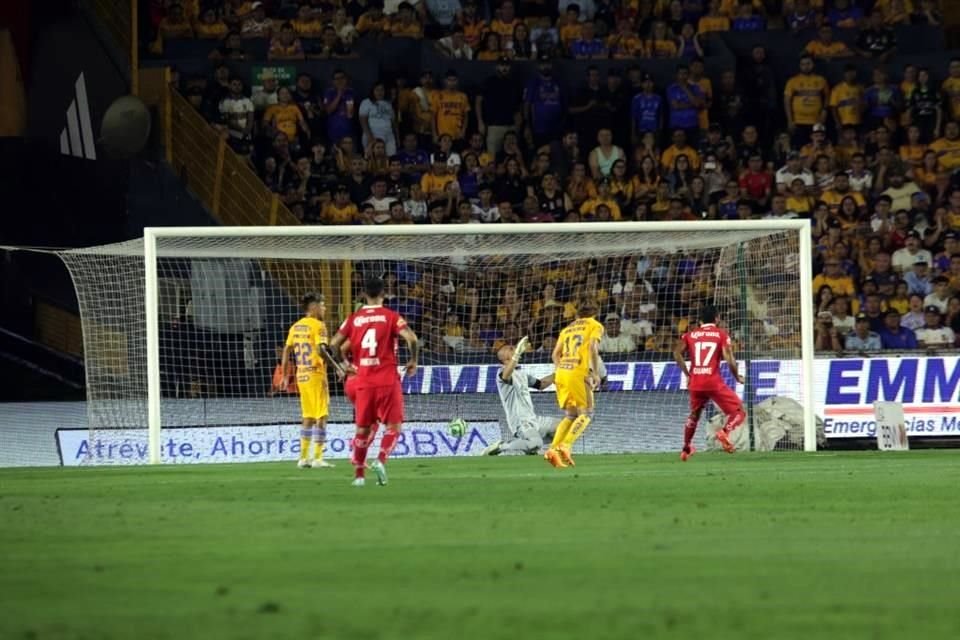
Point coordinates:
pixel 573 393
pixel 314 395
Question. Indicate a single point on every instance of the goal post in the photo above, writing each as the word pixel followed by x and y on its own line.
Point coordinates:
pixel 180 327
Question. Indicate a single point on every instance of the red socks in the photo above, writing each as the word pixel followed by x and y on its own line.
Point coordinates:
pixel 735 421
pixel 689 429
pixel 387 443
pixel 360 445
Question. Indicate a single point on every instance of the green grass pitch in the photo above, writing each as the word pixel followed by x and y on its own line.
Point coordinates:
pixel 861 545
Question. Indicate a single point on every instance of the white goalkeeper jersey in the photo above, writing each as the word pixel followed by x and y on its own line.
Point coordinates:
pixel 516 400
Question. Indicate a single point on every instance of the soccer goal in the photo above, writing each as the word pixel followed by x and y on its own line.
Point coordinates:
pixel 182 328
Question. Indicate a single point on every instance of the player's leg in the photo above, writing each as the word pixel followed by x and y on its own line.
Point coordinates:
pixel 322 408
pixel 697 402
pixel 553 455
pixel 527 439
pixel 308 411
pixel 732 407
pixel 390 411
pixel 306 436
pixel 320 445
pixel 563 394
pixel 582 402
pixel 365 415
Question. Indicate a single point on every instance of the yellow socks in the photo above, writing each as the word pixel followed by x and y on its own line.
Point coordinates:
pixel 305 439
pixel 576 430
pixel 561 432
pixel 319 442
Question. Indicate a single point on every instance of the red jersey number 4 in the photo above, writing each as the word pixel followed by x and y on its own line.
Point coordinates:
pixel 705 346
pixel 373 333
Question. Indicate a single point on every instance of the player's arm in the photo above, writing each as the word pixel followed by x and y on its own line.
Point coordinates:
pixel 593 379
pixel 544 382
pixel 337 350
pixel 732 363
pixel 555 356
pixel 679 350
pixel 284 359
pixel 413 343
pixel 507 372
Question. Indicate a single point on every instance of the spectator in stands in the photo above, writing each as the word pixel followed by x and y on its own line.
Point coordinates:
pixel 685 99
pixel 372 21
pixel 791 171
pixel 455 45
pixel 378 120
pixel 544 106
pixel 501 112
pixel 759 92
pixel 843 15
pixel 613 341
pixel 285 45
pixel 895 336
pixel 604 155
pixel 877 40
pixel 825 47
pixel 862 338
pixel 435 182
pixel 338 101
pixel 441 15
pixel 230 49
pixel 450 107
pixel 805 98
pixel 918 279
pixel 341 210
pixel 286 117
pixel 256 24
pixel 847 100
pixel 406 23
pixel 588 46
pixel 746 20
pixel 307 24
pixel 940 297
pixel 924 107
pixel 175 24
pixel 237 112
pixel 933 334
pixel 210 26
pixel 904 259
pixel 947 148
pixel 802 17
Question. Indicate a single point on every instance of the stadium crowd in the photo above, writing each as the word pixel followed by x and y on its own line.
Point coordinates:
pixel 872 164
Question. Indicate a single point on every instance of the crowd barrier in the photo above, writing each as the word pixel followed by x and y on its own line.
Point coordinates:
pixel 238 429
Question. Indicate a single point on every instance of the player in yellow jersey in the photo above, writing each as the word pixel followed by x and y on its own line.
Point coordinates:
pixel 304 341
pixel 578 369
pixel 951 88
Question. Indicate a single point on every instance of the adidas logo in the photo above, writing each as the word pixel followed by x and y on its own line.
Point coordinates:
pixel 76 139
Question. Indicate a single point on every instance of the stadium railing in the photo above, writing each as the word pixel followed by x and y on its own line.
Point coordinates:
pixel 228 187
pixel 198 153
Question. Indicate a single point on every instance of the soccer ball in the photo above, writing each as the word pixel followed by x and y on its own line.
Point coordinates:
pixel 457 427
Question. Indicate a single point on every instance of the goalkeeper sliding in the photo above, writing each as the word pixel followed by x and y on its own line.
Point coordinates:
pixel 527 429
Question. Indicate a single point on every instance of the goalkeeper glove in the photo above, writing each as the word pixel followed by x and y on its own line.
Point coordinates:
pixel 520 349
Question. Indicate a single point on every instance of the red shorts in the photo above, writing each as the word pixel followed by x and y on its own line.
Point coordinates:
pixel 722 395
pixel 383 404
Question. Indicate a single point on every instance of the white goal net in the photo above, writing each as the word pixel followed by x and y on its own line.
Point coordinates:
pixel 225 299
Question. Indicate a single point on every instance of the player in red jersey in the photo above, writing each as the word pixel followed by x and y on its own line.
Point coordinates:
pixel 373 331
pixel 706 345
pixel 350 390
